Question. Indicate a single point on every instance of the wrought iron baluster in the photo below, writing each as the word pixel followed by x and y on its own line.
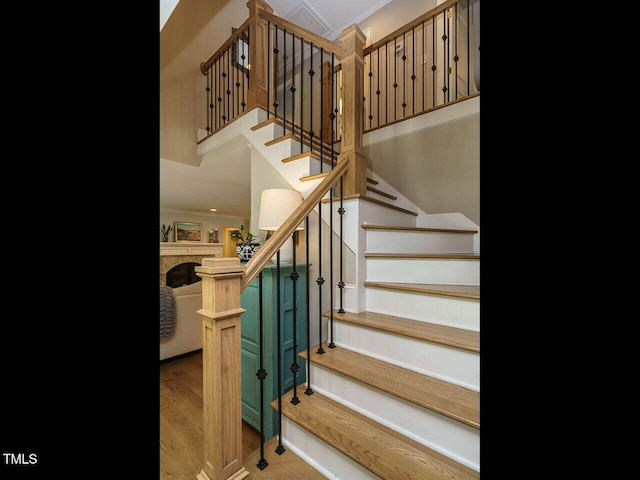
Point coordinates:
pixel 262 374
pixel 294 365
pixel 280 448
pixel 308 390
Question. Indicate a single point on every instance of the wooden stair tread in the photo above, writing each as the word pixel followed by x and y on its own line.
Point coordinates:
pixel 461 256
pixel 453 401
pixel 300 156
pixel 322 175
pixel 380 192
pixel 419 229
pixel 372 200
pixel 266 122
pixel 294 134
pixel 288 136
pixel 460 338
pixel 314 176
pixel 313 154
pixel 459 291
pixel 286 466
pixel 377 448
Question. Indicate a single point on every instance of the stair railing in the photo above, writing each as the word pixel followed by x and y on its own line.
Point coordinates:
pixel 223 280
pixel 281 65
pixel 284 233
pixel 430 62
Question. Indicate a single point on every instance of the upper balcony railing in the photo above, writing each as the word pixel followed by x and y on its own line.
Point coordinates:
pixel 430 62
pixel 296 75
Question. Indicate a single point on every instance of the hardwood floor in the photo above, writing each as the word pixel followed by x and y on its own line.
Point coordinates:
pixel 181 433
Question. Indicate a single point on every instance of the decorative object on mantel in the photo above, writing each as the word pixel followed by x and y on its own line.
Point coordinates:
pixel 215 235
pixel 247 245
pixel 276 206
pixel 165 230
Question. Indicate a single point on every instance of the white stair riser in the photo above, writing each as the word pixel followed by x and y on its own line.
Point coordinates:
pixel 264 134
pixel 305 166
pixel 314 164
pixel 447 436
pixel 451 311
pixel 446 271
pixel 321 456
pixel 298 168
pixel 453 365
pixel 398 241
pixel 284 149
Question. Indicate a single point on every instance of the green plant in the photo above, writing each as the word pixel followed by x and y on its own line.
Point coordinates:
pixel 165 232
pixel 242 237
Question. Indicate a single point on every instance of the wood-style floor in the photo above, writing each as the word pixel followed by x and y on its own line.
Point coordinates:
pixel 182 435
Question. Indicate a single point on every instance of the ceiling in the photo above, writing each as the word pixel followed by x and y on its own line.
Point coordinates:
pixel 198 189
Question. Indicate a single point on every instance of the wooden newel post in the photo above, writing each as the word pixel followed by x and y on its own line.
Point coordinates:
pixel 258 35
pixel 327 93
pixel 355 180
pixel 221 368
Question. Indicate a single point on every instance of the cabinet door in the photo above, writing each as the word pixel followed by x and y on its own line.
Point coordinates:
pixel 286 328
pixel 250 355
pixel 250 343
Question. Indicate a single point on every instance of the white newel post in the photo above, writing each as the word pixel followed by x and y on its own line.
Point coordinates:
pixel 221 368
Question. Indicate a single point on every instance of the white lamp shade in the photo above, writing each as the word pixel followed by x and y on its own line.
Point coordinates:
pixel 276 205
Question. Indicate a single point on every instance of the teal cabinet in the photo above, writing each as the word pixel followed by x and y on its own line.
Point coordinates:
pixel 250 344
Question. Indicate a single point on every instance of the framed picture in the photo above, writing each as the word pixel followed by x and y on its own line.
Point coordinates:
pixel 241 52
pixel 188 232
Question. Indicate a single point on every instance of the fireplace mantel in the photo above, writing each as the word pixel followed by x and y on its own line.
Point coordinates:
pixel 180 248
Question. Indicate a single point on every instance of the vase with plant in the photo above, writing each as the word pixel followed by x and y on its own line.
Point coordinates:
pixel 247 244
pixel 165 231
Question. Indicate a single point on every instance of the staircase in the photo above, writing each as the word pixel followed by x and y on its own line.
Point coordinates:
pixel 399 395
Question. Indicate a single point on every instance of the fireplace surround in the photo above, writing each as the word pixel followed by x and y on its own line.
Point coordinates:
pixel 173 254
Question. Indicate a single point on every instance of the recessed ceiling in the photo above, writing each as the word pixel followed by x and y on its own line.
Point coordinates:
pixel 304 17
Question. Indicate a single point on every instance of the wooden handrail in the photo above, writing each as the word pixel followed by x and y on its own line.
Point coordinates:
pixel 269 249
pixel 205 66
pixel 414 23
pixel 318 41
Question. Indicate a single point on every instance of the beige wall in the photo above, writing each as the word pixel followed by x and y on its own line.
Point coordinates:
pixel 437 168
pixel 196 28
pixel 394 15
